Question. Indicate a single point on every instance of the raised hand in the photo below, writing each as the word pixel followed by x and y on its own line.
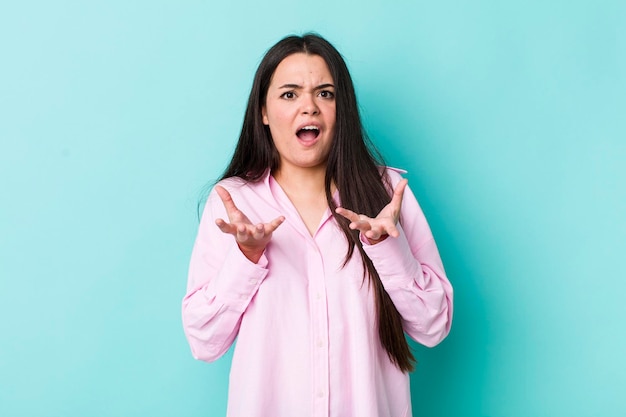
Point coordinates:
pixel 251 238
pixel 384 224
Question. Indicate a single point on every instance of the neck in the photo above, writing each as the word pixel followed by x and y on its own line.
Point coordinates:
pixel 305 189
pixel 301 181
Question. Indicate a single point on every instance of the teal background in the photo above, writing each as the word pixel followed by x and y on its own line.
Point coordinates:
pixel 509 116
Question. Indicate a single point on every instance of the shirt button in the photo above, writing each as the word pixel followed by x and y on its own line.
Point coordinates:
pixel 320 344
pixel 320 394
pixel 318 296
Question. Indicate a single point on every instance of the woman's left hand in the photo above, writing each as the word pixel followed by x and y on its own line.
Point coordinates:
pixel 384 224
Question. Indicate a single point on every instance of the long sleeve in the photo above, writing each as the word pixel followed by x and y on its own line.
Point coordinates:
pixel 412 273
pixel 303 305
pixel 221 283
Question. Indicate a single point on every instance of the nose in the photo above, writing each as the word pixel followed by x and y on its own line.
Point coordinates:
pixel 309 106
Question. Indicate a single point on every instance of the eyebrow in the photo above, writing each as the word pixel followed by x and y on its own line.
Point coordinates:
pixel 296 86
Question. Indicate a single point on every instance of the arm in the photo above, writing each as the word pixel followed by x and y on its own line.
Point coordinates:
pixel 417 285
pixel 408 262
pixel 222 279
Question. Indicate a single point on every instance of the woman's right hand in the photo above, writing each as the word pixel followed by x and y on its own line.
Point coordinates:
pixel 251 238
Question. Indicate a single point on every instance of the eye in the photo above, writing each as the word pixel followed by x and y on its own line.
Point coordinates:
pixel 326 94
pixel 288 95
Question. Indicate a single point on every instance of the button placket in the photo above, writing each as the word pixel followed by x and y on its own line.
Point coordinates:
pixel 319 331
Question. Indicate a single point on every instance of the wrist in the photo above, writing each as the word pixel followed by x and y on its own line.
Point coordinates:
pixel 253 254
pixel 371 241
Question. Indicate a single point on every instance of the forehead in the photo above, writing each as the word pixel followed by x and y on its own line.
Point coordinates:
pixel 302 69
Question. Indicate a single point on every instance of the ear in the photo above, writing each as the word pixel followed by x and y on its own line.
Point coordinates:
pixel 266 122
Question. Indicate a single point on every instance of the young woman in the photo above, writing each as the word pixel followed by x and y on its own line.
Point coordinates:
pixel 313 255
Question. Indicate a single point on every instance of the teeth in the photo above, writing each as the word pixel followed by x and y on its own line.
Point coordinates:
pixel 310 128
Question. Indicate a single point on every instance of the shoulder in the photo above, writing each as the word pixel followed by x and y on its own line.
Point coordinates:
pixel 391 176
pixel 240 185
pixel 232 183
pixel 238 188
pixel 246 194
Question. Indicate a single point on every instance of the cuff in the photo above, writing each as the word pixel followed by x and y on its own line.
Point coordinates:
pixel 239 279
pixel 393 260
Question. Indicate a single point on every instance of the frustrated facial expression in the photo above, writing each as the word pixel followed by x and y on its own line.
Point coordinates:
pixel 300 111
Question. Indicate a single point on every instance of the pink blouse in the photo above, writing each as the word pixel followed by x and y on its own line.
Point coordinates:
pixel 307 343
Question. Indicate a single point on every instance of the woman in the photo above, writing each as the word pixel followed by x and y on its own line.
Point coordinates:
pixel 310 253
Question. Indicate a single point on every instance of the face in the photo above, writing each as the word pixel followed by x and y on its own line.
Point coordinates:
pixel 300 112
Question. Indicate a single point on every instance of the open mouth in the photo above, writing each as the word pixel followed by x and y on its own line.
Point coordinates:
pixel 308 133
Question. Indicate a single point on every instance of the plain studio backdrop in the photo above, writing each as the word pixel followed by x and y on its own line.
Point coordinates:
pixel 510 118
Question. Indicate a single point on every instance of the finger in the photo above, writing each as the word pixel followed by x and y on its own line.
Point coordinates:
pixel 398 193
pixel 242 234
pixel 273 225
pixel 386 227
pixel 361 225
pixel 259 231
pixel 348 214
pixel 375 233
pixel 226 227
pixel 370 235
pixel 392 231
pixel 227 199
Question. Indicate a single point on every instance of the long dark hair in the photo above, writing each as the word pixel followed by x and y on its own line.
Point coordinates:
pixel 352 166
